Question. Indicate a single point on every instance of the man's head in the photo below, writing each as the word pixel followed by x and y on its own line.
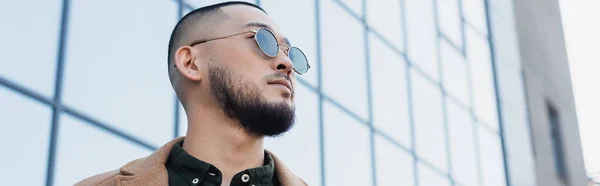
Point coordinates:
pixel 230 72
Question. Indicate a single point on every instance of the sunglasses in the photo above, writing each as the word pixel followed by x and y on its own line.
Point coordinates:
pixel 267 42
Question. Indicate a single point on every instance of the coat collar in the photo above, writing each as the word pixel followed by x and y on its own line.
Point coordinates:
pixel 151 170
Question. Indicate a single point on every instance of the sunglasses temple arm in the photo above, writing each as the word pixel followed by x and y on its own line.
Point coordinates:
pixel 204 41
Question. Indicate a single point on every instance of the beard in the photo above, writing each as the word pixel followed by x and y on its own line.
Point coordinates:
pixel 242 101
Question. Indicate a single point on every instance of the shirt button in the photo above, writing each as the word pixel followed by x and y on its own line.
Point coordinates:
pixel 245 178
pixel 195 181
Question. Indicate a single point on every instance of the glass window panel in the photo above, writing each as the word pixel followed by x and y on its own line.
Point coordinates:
pixel 388 83
pixel 354 5
pixel 343 59
pixel 84 150
pixel 116 67
pixel 27 121
pixel 296 20
pixel 455 72
pixel 462 144
pixel 428 176
pixel 386 18
pixel 517 130
pixel 505 34
pixel 449 20
pixel 202 3
pixel 304 158
pixel 492 162
pixel 428 118
pixel 422 35
pixel 484 97
pixel 183 123
pixel 29 46
pixel 514 114
pixel 394 166
pixel 185 11
pixel 474 13
pixel 521 174
pixel 347 149
pixel 511 87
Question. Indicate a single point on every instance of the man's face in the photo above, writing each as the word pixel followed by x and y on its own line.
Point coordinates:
pixel 251 87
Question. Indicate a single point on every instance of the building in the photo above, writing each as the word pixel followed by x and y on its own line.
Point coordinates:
pixel 402 92
pixel 591 182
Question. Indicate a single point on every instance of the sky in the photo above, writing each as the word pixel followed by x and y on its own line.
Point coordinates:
pixel 581 24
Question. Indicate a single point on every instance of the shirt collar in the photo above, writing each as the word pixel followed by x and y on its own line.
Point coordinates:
pixel 191 168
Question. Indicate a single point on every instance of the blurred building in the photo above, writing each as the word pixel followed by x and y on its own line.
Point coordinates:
pixel 592 183
pixel 402 92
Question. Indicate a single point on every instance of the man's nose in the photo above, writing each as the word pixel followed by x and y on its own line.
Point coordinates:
pixel 283 62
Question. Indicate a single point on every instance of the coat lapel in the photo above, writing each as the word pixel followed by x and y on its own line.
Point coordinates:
pixel 149 170
pixel 285 176
pixel 155 176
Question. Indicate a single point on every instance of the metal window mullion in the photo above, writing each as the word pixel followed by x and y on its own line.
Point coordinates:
pixel 444 93
pixel 369 93
pixel 497 93
pixel 56 107
pixel 320 90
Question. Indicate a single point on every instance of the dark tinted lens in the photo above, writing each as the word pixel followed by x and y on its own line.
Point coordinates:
pixel 298 60
pixel 266 42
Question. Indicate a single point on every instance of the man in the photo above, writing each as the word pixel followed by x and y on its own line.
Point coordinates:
pixel 234 73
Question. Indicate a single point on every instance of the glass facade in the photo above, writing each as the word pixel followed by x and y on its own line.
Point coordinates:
pixel 401 92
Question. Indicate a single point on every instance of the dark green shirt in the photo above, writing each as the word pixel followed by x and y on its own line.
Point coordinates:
pixel 184 169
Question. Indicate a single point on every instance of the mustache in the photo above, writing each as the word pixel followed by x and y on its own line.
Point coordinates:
pixel 278 75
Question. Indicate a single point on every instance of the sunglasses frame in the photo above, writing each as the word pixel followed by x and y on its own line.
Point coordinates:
pixel 255 32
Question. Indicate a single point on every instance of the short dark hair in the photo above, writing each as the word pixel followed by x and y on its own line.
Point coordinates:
pixel 198 17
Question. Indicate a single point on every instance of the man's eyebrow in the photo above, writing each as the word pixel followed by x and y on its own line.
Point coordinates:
pixel 263 25
pixel 258 24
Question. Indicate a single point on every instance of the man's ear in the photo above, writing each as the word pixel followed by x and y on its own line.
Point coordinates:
pixel 184 61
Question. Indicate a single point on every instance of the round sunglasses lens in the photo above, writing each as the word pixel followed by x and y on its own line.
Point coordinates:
pixel 267 42
pixel 298 60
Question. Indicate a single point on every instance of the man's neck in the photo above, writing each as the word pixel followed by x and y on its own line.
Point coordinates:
pixel 213 138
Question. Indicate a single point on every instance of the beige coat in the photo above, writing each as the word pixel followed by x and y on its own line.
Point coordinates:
pixel 151 170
